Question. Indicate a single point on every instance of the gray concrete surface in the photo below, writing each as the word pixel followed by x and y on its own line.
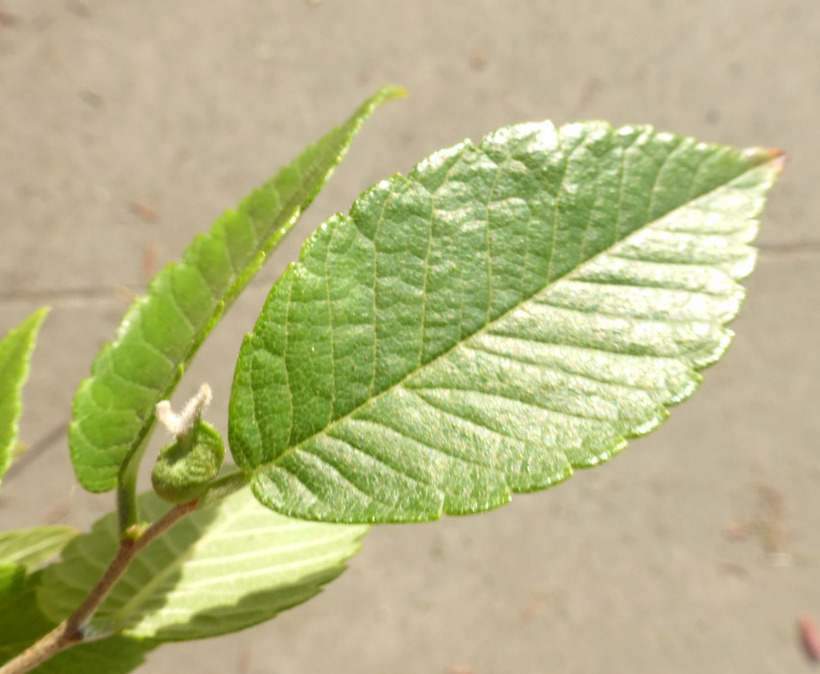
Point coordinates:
pixel 128 126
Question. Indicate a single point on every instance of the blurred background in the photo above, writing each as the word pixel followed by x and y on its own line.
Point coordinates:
pixel 127 127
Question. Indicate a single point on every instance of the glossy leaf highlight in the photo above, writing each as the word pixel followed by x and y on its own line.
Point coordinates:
pixel 218 570
pixel 161 332
pixel 503 315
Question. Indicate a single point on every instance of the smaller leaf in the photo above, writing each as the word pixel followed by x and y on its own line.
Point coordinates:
pixel 32 547
pixel 10 575
pixel 218 570
pixel 186 466
pixel 15 356
pixel 21 622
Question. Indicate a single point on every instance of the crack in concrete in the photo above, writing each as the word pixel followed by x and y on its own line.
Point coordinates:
pixel 124 294
pixel 118 293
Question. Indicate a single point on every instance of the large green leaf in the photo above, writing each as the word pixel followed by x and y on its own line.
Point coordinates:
pixel 32 547
pixel 15 356
pixel 161 332
pixel 503 315
pixel 22 623
pixel 218 570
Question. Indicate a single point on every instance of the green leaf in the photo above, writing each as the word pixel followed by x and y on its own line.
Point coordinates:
pixel 15 356
pixel 161 332
pixel 187 466
pixel 32 547
pixel 22 623
pixel 503 315
pixel 10 575
pixel 114 655
pixel 218 570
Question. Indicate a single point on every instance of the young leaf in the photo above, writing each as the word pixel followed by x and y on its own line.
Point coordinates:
pixel 219 570
pixel 503 315
pixel 187 466
pixel 161 332
pixel 15 356
pixel 32 547
pixel 22 623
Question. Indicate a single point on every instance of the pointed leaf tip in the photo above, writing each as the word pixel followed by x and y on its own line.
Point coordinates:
pixel 392 92
pixel 778 158
pixel 16 349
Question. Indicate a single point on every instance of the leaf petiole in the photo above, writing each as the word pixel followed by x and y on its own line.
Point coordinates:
pixel 222 488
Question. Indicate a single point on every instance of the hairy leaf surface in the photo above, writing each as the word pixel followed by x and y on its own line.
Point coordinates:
pixel 32 547
pixel 15 357
pixel 161 332
pixel 218 570
pixel 503 315
pixel 22 623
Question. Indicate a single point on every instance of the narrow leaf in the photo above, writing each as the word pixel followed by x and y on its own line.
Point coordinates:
pixel 219 570
pixel 22 623
pixel 161 332
pixel 32 547
pixel 15 357
pixel 503 315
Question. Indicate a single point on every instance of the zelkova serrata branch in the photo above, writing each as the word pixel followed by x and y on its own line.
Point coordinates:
pixel 72 631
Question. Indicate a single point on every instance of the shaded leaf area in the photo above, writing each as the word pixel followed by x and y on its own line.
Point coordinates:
pixel 15 357
pixel 503 315
pixel 32 547
pixel 161 332
pixel 22 623
pixel 187 466
pixel 218 570
pixel 10 575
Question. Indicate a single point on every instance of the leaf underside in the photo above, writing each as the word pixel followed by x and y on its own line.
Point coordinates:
pixel 15 357
pixel 161 332
pixel 31 547
pixel 217 571
pixel 507 313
